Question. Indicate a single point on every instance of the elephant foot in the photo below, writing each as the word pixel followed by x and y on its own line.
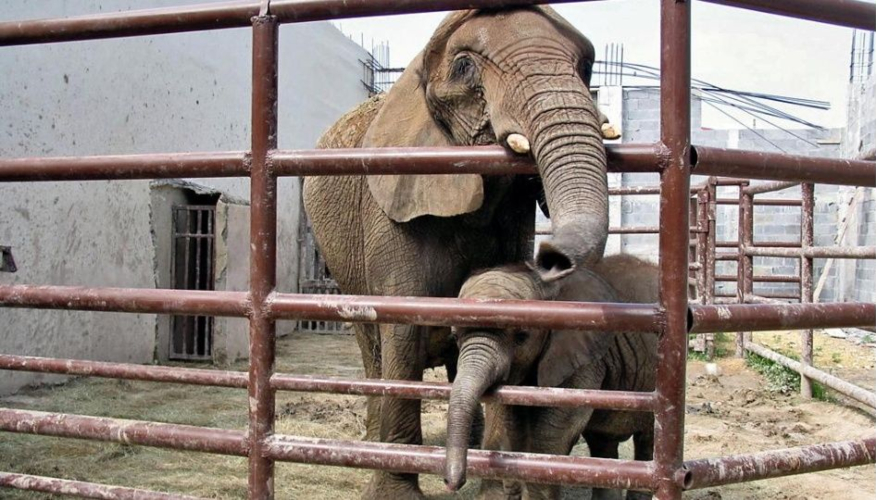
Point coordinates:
pixel 387 486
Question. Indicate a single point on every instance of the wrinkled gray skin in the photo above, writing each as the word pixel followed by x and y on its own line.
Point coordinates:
pixel 483 76
pixel 583 360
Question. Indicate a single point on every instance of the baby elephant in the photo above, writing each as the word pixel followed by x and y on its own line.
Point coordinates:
pixel 557 358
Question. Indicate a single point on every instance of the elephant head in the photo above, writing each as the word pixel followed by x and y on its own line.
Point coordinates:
pixel 518 77
pixel 515 356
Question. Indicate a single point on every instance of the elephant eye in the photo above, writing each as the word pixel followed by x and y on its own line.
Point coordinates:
pixel 520 337
pixel 463 68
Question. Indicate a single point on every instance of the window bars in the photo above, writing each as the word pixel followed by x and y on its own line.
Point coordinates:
pixel 673 318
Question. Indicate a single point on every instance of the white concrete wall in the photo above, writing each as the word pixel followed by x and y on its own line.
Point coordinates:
pixel 180 92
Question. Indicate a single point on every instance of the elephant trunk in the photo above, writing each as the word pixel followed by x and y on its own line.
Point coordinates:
pixel 567 146
pixel 482 363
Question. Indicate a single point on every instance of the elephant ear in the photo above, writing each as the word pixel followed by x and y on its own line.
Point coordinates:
pixel 405 121
pixel 568 351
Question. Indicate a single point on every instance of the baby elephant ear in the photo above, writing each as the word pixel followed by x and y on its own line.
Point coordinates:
pixel 405 121
pixel 568 351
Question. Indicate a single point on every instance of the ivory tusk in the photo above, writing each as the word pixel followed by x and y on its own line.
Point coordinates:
pixel 518 143
pixel 609 132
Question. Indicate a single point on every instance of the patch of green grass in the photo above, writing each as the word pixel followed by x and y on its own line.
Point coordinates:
pixel 868 339
pixel 780 378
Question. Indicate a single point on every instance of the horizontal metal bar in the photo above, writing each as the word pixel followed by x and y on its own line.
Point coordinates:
pixel 219 15
pixel 769 187
pixel 510 395
pixel 754 317
pixel 545 229
pixel 488 160
pixel 607 317
pixel 174 436
pixel 828 380
pixel 400 458
pixel 763 299
pixel 848 13
pixel 705 473
pixel 369 309
pixel 761 279
pixel 507 395
pixel 150 373
pixel 732 256
pixel 143 166
pixel 83 489
pixel 833 252
pixel 784 296
pixel 774 166
pixel 760 201
pixel 132 300
pixel 763 244
pixel 556 469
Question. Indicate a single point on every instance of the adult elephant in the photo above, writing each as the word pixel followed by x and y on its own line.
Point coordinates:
pixel 518 77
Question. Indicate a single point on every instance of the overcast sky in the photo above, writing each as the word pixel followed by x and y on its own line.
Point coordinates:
pixel 732 48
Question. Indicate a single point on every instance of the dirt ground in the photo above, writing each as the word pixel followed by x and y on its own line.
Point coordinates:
pixel 730 413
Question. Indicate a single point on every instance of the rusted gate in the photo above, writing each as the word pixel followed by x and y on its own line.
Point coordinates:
pixel 673 157
pixel 746 249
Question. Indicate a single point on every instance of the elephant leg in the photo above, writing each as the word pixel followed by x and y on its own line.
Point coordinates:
pixel 403 349
pixel 477 425
pixel 603 447
pixel 643 449
pixel 502 433
pixel 368 338
pixel 554 431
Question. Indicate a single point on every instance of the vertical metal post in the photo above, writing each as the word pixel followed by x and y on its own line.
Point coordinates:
pixel 745 265
pixel 674 242
pixel 263 254
pixel 711 234
pixel 806 241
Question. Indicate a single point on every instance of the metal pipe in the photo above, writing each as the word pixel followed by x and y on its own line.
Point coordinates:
pixel 142 166
pixel 762 244
pixel 710 472
pixel 506 395
pixel 774 166
pixel 675 79
pixel 744 263
pixel 127 371
pixel 467 312
pixel 833 252
pixel 761 279
pixel 219 15
pixel 764 299
pixel 848 13
pixel 487 160
pixel 807 370
pixel 769 295
pixel 56 486
pixel 599 472
pixel 752 317
pixel 806 241
pixel 778 202
pixel 132 300
pixel 177 437
pixel 263 255
pixel 769 187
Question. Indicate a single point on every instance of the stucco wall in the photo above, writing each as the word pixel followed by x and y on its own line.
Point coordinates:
pixel 180 92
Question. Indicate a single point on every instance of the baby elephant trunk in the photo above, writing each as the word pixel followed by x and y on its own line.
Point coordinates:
pixel 482 363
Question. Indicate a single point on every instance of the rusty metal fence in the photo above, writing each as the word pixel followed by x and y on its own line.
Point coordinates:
pixel 746 249
pixel 673 157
